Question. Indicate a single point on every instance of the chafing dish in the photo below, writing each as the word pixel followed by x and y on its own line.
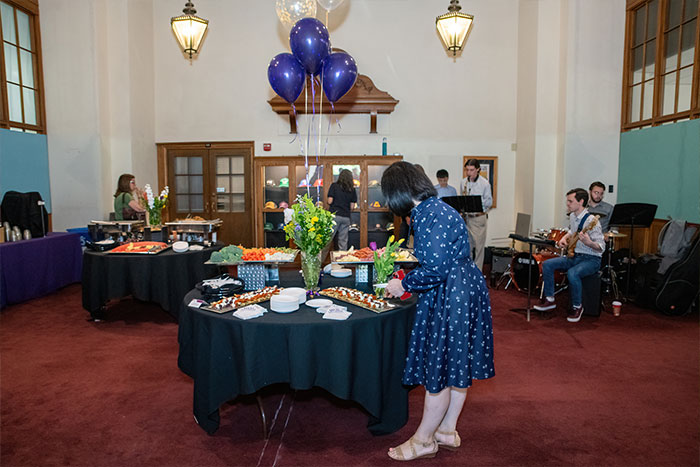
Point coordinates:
pixel 117 230
pixel 191 230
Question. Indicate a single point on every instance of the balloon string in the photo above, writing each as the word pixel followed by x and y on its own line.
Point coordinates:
pixel 328 132
pixel 337 122
pixel 296 134
pixel 318 147
pixel 306 152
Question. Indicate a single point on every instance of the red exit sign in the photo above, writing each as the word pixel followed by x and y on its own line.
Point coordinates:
pixel 267 146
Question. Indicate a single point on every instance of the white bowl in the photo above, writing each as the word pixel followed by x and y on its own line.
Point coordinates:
pixel 297 292
pixel 284 303
pixel 342 272
pixel 180 247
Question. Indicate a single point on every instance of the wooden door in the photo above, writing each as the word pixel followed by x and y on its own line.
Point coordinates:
pixel 210 180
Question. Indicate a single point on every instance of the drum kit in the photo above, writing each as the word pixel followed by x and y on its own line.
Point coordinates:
pixel 517 273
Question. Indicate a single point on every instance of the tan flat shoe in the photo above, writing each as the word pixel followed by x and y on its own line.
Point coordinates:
pixel 412 443
pixel 449 446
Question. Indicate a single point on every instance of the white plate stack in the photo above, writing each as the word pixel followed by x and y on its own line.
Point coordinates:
pixel 284 303
pixel 297 292
pixel 180 247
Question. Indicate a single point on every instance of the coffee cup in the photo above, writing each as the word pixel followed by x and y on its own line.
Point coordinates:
pixel 616 307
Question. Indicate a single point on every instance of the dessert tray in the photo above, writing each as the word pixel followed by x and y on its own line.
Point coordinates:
pixel 140 248
pixel 240 300
pixel 357 298
pixel 366 256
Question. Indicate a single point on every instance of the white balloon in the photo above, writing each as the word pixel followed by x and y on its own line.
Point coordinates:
pixel 330 5
pixel 291 11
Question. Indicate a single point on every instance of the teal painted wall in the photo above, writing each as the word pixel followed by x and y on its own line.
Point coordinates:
pixel 661 165
pixel 24 164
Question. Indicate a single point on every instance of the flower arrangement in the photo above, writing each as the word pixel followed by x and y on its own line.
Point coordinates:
pixel 384 260
pixel 154 205
pixel 311 226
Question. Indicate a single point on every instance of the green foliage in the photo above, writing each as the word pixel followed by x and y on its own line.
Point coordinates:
pixel 384 260
pixel 311 226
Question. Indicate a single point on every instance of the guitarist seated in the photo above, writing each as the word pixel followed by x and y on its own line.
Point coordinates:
pixel 585 245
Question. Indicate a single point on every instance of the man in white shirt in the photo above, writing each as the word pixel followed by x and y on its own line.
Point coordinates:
pixel 586 259
pixel 476 185
pixel 443 189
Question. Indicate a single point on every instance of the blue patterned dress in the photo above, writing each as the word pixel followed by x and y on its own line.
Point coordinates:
pixel 452 339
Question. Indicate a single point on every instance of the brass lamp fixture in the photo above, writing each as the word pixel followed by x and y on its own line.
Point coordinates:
pixel 454 27
pixel 189 29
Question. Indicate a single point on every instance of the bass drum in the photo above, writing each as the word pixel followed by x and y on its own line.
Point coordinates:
pixel 519 270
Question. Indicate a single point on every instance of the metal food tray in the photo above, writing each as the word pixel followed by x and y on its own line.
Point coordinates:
pixel 194 226
pixel 112 252
pixel 335 254
pixel 231 307
pixel 388 307
pixel 238 263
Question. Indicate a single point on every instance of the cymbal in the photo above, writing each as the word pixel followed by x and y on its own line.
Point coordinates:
pixel 615 235
pixel 599 214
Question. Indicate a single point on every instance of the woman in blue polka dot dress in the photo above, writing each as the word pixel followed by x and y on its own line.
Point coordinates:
pixel 452 339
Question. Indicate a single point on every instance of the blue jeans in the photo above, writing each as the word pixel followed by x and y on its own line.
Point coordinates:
pixel 576 268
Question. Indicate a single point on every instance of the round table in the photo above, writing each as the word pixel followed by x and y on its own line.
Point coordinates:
pixel 359 359
pixel 163 278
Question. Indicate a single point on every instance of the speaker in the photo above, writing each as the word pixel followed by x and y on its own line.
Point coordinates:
pixel 590 295
pixel 499 264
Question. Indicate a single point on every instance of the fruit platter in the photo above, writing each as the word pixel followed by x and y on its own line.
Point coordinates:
pixel 358 298
pixel 366 256
pixel 240 300
pixel 235 254
pixel 140 248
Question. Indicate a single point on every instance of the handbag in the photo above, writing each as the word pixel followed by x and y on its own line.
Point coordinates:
pixel 130 214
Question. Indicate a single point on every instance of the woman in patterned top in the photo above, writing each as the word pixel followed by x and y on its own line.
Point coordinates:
pixel 451 341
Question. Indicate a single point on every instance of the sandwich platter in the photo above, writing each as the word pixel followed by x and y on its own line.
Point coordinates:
pixel 366 256
pixel 240 300
pixel 357 298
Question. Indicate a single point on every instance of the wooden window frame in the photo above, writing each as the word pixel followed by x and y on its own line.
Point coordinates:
pixel 31 8
pixel 657 101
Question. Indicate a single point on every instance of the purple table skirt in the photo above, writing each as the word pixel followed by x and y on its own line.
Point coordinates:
pixel 37 267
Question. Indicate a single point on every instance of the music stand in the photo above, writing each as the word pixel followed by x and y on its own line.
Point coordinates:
pixel 530 241
pixel 632 215
pixel 465 204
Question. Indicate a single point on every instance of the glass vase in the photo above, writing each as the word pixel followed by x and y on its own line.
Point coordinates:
pixel 311 270
pixel 154 217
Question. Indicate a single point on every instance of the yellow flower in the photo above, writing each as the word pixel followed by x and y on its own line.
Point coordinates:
pixel 391 239
pixel 314 219
pixel 312 229
pixel 393 255
pixel 401 241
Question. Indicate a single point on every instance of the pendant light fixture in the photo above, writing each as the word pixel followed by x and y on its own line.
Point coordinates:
pixel 454 27
pixel 189 29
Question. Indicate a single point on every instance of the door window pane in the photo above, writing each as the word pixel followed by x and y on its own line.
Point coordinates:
pixel 194 165
pixel 669 93
pixel 673 13
pixel 196 203
pixel 14 102
pixel 648 99
pixel 23 30
pixel 690 10
pixel 651 23
pixel 197 184
pixel 237 164
pixel 8 23
pixel 671 50
pixel 688 43
pixel 180 165
pixel 27 65
pixel 29 106
pixel 639 24
pixel 237 203
pixel 222 184
pixel 222 165
pixel 223 203
pixel 182 184
pixel 237 184
pixel 183 203
pixel 11 64
pixel 635 103
pixel 637 58
pixel 685 84
pixel 650 59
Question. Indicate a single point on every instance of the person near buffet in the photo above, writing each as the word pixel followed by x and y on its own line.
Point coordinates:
pixel 451 339
pixel 342 199
pixel 126 199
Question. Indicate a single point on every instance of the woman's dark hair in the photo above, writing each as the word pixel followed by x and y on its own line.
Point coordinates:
pixel 402 183
pixel 345 180
pixel 124 184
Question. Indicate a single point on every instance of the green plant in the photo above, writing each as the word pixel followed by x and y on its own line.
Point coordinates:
pixel 311 226
pixel 384 260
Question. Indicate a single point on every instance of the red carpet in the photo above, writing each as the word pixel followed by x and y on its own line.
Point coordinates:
pixel 607 391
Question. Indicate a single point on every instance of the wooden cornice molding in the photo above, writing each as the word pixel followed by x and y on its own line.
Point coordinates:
pixel 363 98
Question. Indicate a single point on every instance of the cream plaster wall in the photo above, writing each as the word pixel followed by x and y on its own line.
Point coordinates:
pixel 110 99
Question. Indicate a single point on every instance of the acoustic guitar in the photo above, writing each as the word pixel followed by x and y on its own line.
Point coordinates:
pixel 574 238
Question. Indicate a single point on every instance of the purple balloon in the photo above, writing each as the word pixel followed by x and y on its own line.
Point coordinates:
pixel 310 44
pixel 339 75
pixel 286 76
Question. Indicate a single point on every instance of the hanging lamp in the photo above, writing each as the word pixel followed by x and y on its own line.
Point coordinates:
pixel 189 29
pixel 454 27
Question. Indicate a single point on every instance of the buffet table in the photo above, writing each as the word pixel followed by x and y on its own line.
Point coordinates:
pixel 360 359
pixel 163 278
pixel 37 267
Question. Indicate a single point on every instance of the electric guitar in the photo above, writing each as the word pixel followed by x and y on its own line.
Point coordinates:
pixel 573 240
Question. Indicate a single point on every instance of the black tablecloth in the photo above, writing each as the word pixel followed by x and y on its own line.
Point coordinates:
pixel 163 278
pixel 360 359
pixel 37 267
